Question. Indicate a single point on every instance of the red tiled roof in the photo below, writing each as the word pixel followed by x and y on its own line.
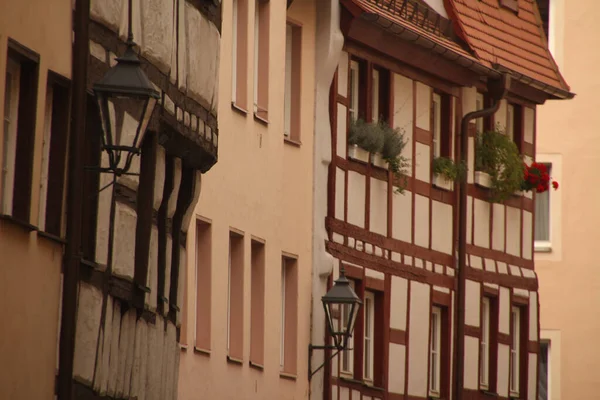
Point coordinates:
pixel 493 35
pixel 499 36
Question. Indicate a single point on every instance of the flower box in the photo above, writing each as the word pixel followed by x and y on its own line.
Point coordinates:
pixel 441 182
pixel 357 153
pixel 483 179
pixel 378 161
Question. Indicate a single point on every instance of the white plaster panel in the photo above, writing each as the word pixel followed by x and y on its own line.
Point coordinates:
pixel 374 274
pixel 338 238
pixel 159 177
pixel 114 350
pixel 475 262
pixel 124 243
pixel 181 276
pixel 529 128
pixel 398 303
pixel 532 382
pixel 521 293
pixel 401 216
pixel 102 219
pixel 86 337
pixel 379 206
pixel 490 265
pixel 527 235
pixel 482 223
pixel 471 160
pixel 472 302
pixel 107 333
pixel 334 389
pixel 187 216
pixel 469 219
pixel 513 226
pixel 396 256
pixel 439 269
pixel 168 266
pixel 471 363
pixel 514 270
pixel 533 316
pixel 500 116
pixel 176 183
pixel 342 129
pixel 97 51
pixel 502 268
pixel 355 394
pixel 418 263
pixel 342 83
pixel 441 225
pixel 139 350
pixel 503 370
pixel 152 281
pixel 403 112
pixel 428 265
pixel 155 359
pixel 422 215
pixel 528 273
pixel 423 162
pixel 107 12
pixel 157 32
pixel 356 199
pixel 450 271
pixel 469 97
pixel 423 106
pixel 203 60
pixel 504 310
pixel 340 182
pixel 397 366
pixel 441 289
pixel 498 227
pixel 419 339
pixel 408 260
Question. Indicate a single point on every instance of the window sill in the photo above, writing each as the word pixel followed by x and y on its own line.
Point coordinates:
pixel 52 237
pixel 261 119
pixel 26 225
pixel 256 366
pixel 233 360
pixel 288 376
pixel 366 384
pixel 483 179
pixel 238 109
pixel 183 347
pixel 201 351
pixel 542 247
pixel 292 142
pixel 487 393
pixel 442 183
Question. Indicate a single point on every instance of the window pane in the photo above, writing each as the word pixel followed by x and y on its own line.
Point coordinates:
pixel 542 213
pixel 543 374
pixel 375 96
pixel 437 124
pixel 288 80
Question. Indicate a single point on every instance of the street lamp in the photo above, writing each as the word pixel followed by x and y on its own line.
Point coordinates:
pixel 343 298
pixel 124 87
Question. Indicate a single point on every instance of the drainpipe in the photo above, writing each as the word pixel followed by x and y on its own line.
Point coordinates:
pixel 497 89
pixel 74 199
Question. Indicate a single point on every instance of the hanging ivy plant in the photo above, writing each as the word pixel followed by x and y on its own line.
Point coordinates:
pixel 448 169
pixel 497 155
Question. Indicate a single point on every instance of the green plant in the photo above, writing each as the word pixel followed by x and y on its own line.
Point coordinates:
pixel 497 155
pixel 448 169
pixel 368 136
pixel 393 144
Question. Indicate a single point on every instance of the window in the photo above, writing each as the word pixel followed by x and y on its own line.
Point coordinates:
pixel 544 371
pixel 289 308
pixel 261 59
pixel 514 350
pixel 203 284
pixel 235 296
pixel 542 217
pixel 347 355
pixel 11 106
pixel 239 68
pixel 441 125
pixel 479 105
pixel 375 96
pixel 436 119
pixel 54 150
pixel 484 357
pixel 514 126
pixel 293 43
pixel 354 90
pixel 368 336
pixel 435 345
pixel 257 303
pixel 510 121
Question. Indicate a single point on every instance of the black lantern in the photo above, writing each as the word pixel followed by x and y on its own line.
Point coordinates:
pixel 342 297
pixel 126 99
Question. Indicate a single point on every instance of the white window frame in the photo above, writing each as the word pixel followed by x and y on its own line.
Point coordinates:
pixel 548 344
pixel 435 347
pixel 479 105
pixel 9 140
pixel 375 96
pixel 229 299
pixel 436 120
pixel 545 245
pixel 282 338
pixel 510 121
pixel 256 51
pixel 515 357
pixel 234 50
pixel 354 90
pixel 289 43
pixel 347 364
pixel 45 160
pixel 369 336
pixel 484 358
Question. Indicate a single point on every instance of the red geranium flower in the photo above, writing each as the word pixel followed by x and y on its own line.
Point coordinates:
pixel 555 185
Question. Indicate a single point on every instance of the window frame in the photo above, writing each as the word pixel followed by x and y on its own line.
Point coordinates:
pixel 436 124
pixel 484 358
pixel 543 244
pixel 347 356
pixel 515 351
pixel 293 83
pixel 435 390
pixel 9 139
pixel 369 327
pixel 354 90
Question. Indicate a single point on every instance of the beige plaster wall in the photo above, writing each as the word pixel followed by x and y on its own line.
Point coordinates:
pixel 30 278
pixel 261 187
pixel 568 137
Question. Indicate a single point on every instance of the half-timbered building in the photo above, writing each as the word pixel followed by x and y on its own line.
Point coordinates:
pixel 450 301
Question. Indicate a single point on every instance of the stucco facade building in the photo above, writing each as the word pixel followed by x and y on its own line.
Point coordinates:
pixel 447 279
pixel 248 294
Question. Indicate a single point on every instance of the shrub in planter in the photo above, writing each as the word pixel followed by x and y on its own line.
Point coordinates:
pixel 393 144
pixel 497 155
pixel 368 136
pixel 536 177
pixel 448 169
